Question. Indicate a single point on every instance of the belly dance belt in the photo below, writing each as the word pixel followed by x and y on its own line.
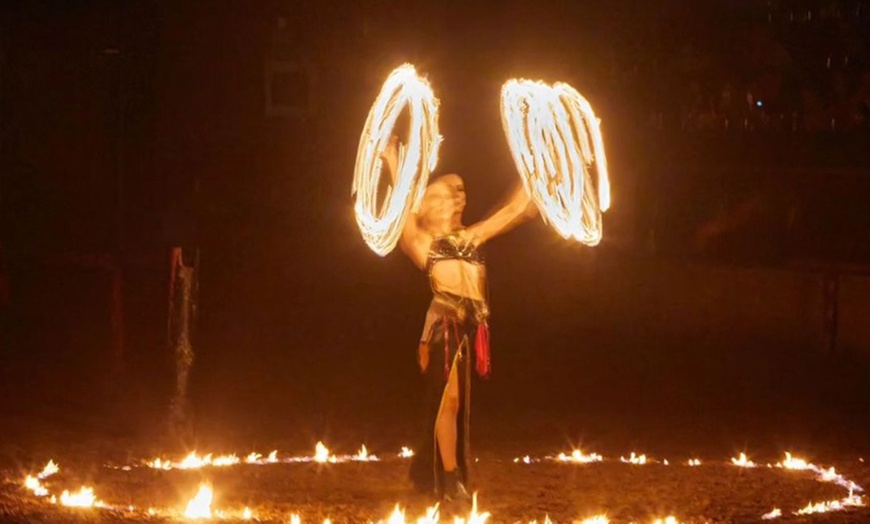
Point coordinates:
pixel 463 319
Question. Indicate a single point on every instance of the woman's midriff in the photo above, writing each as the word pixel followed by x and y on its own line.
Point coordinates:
pixel 459 278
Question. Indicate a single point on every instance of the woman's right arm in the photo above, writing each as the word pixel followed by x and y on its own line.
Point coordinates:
pixel 414 240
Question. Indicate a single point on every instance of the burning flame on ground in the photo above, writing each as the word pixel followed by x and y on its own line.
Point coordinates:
pixel 775 513
pixel 634 459
pixel 84 498
pixel 50 469
pixel 598 519
pixel 556 143
pixel 381 228
pixel 431 516
pixel 793 463
pixel 363 455
pixel 474 517
pixel 579 457
pixel 194 461
pixel 32 483
pixel 852 501
pixel 321 453
pixel 199 506
pixel 256 458
pixel 743 462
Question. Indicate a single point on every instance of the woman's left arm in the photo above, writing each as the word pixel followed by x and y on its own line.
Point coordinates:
pixel 518 209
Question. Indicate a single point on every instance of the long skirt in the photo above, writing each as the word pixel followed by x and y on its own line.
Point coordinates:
pixel 450 353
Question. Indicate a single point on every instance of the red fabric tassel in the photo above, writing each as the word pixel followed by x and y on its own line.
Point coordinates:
pixel 481 347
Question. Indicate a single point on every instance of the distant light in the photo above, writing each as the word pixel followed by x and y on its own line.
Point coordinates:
pixel 758 104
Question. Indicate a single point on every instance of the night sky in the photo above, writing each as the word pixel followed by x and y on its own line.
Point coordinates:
pixel 130 128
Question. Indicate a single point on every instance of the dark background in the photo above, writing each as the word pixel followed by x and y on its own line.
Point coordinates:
pixel 726 301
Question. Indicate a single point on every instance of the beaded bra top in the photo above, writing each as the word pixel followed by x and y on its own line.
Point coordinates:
pixel 451 248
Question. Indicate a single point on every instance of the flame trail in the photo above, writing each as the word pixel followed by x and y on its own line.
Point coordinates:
pixel 381 229
pixel 556 143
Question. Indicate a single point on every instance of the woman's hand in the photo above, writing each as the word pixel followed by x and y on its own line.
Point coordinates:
pixel 468 238
pixel 423 356
pixel 390 155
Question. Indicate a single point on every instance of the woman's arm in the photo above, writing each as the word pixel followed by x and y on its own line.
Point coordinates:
pixel 518 209
pixel 414 240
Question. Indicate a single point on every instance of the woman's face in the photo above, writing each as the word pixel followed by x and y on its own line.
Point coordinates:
pixel 445 198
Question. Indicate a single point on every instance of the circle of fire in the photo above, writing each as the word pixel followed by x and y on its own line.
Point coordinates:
pixel 381 228
pixel 556 144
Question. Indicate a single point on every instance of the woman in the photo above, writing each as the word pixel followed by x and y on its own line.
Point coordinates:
pixel 456 323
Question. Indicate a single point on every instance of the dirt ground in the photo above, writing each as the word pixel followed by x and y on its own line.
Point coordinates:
pixel 511 490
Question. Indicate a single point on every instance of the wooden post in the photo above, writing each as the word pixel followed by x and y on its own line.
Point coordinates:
pixel 182 307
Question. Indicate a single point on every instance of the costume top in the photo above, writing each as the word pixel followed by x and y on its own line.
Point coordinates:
pixel 452 248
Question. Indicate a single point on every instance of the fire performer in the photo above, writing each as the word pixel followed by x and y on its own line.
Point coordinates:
pixel 436 241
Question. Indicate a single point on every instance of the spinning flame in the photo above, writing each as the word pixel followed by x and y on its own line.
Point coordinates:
pixel 556 143
pixel 381 229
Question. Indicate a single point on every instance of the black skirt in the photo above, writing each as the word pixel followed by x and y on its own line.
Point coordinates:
pixel 449 343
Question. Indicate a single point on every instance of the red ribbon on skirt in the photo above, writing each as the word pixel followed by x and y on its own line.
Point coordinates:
pixel 481 347
pixel 483 360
